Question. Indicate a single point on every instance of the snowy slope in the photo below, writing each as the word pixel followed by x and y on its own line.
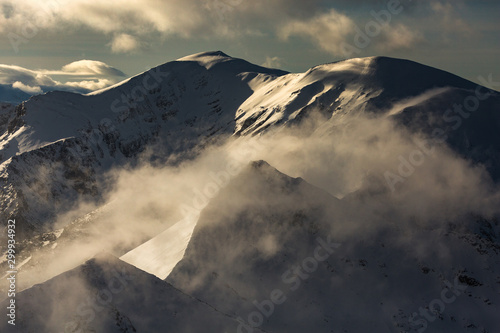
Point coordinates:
pixel 361 84
pixel 176 106
pixel 159 255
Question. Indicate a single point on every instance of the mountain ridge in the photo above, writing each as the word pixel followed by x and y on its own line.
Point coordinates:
pixel 283 264
pixel 181 104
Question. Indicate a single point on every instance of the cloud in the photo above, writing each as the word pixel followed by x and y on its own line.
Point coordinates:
pixel 124 43
pixel 356 155
pixel 347 160
pixel 398 36
pixel 91 85
pixel 449 20
pixel 10 74
pixel 327 30
pixel 27 89
pixel 336 33
pixel 91 67
pixel 92 75
pixel 130 23
pixel 123 18
pixel 272 62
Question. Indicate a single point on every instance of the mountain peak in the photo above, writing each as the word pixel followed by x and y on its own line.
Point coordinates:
pixel 204 55
pixel 209 59
pixel 219 59
pixel 260 164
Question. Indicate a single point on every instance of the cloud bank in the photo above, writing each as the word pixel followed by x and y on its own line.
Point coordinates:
pixel 130 23
pixel 347 158
pixel 83 76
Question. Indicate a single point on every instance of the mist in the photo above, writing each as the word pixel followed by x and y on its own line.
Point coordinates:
pixel 349 158
pixel 358 179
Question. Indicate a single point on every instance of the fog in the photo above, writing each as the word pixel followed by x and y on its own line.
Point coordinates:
pixel 367 175
pixel 358 157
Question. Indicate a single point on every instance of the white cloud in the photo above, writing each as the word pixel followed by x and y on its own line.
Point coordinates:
pixel 129 24
pixel 128 20
pixel 328 30
pixel 114 16
pixel 27 89
pixel 272 62
pixel 91 84
pixel 336 33
pixel 91 67
pixel 93 75
pixel 10 74
pixel 124 43
pixel 397 36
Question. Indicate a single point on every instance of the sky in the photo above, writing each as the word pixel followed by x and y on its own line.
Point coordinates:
pixel 84 45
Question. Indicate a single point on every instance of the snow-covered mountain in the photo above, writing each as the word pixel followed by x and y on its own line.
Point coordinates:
pixel 295 244
pixel 284 264
pixel 70 139
pixel 55 146
pixel 373 259
pixel 108 295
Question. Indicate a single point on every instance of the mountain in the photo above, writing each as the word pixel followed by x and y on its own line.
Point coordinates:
pixel 272 253
pixel 425 100
pixel 107 295
pixel 356 85
pixel 264 249
pixel 160 254
pixel 72 139
pixel 289 264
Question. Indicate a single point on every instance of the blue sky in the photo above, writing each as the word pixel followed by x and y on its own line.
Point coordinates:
pixel 84 45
